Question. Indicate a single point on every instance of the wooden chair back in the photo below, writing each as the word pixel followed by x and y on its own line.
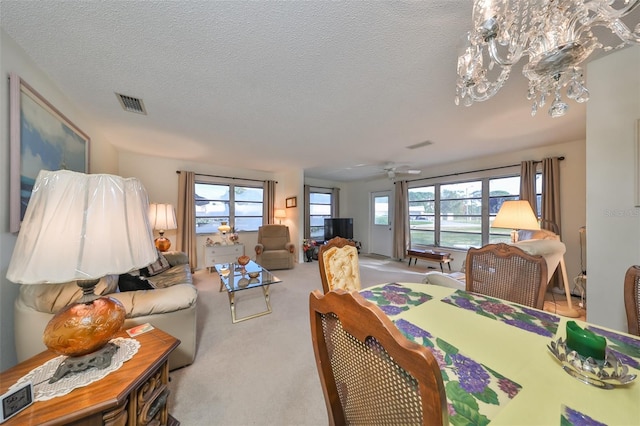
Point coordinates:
pixel 338 263
pixel 507 272
pixel 370 373
pixel 632 299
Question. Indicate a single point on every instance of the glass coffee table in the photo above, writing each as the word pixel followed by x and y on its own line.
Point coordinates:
pixel 236 278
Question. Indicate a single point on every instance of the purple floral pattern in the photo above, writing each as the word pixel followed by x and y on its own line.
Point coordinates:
pixel 624 347
pixel 532 320
pixel 475 393
pixel 571 417
pixel 394 298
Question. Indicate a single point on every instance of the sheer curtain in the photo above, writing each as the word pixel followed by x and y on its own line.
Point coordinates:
pixel 269 206
pixel 187 217
pixel 401 236
pixel 528 184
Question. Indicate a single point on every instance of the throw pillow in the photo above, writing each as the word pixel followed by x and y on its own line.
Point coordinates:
pixel 128 282
pixel 160 265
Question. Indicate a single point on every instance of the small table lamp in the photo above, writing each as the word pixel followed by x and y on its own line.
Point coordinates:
pixel 516 215
pixel 162 218
pixel 280 214
pixel 224 229
pixel 80 227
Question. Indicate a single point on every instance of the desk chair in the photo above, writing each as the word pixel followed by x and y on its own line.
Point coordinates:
pixel 632 299
pixel 370 373
pixel 338 263
pixel 507 272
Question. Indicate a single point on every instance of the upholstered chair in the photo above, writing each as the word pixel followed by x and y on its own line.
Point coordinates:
pixel 338 263
pixel 274 249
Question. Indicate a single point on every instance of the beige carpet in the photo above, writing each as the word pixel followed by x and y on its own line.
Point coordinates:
pixel 262 371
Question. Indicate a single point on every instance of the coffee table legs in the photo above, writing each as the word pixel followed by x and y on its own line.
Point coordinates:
pixel 232 306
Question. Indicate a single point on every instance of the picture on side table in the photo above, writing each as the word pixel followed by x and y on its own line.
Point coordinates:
pixel 41 138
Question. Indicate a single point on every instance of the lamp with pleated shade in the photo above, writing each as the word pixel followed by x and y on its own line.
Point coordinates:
pixel 80 227
pixel 515 214
pixel 162 217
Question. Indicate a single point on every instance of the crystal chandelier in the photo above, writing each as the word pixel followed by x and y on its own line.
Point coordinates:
pixel 555 35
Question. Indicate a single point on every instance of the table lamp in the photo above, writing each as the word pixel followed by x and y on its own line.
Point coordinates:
pixel 515 215
pixel 162 217
pixel 224 229
pixel 80 227
pixel 280 214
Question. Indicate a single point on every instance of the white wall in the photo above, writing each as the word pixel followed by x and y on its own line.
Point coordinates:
pixel 613 222
pixel 572 188
pixel 103 159
pixel 159 177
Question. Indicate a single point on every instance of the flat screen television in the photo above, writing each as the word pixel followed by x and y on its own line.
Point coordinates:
pixel 338 227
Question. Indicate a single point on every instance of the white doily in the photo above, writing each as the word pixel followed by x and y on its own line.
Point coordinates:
pixel 39 376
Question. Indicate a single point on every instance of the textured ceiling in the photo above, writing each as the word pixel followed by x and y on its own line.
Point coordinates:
pixel 323 86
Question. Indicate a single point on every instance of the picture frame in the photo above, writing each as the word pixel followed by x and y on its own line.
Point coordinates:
pixel 291 202
pixel 40 138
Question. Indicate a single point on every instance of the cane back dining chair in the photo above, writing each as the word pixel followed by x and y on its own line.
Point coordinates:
pixel 338 263
pixel 370 373
pixel 632 299
pixel 507 272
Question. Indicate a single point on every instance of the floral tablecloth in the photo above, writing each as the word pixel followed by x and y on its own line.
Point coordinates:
pixel 532 320
pixel 475 393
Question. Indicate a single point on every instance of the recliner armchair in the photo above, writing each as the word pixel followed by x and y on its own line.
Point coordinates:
pixel 275 249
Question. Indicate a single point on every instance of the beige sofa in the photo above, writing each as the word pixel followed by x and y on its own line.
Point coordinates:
pixel 170 307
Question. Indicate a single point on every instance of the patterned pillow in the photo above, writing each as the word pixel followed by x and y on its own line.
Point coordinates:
pixel 160 265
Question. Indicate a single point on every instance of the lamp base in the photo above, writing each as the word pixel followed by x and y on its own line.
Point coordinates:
pixel 99 359
pixel 162 243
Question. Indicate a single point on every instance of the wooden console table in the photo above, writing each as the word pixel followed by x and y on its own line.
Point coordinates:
pixel 429 255
pixel 135 394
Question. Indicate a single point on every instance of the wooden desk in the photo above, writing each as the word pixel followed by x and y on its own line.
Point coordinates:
pixel 135 394
pixel 429 255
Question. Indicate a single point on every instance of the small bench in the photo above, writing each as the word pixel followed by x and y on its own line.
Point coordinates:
pixel 431 256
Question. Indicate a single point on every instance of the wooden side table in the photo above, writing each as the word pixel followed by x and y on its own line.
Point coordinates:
pixel 135 394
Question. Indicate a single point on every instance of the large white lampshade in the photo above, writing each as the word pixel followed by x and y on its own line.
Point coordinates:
pixel 80 227
pixel 516 215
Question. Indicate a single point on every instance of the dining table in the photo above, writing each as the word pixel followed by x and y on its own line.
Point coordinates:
pixel 496 362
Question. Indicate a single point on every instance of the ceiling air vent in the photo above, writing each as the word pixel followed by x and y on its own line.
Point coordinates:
pixel 131 104
pixel 419 145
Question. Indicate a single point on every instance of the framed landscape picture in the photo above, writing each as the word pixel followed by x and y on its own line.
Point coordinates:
pixel 41 138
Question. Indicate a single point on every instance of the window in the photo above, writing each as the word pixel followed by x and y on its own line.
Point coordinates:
pixel 238 205
pixel 381 211
pixel 320 206
pixel 422 210
pixel 459 214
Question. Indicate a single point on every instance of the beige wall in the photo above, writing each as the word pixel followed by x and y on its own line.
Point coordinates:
pixel 572 188
pixel 159 177
pixel 613 221
pixel 103 159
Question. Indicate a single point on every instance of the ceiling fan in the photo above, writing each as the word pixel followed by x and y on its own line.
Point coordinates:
pixel 394 172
